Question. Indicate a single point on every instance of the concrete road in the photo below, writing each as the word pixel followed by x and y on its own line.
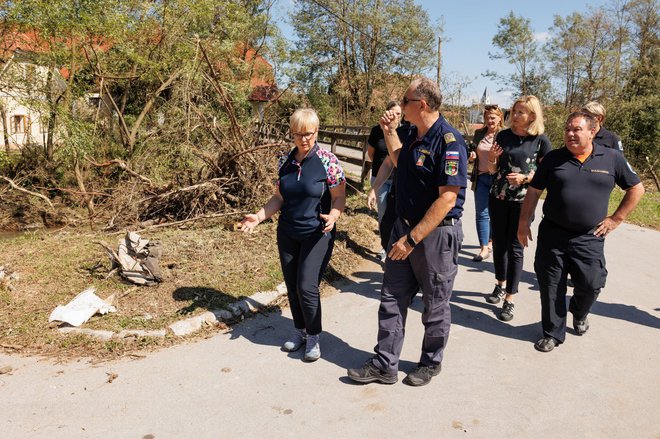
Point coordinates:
pixel 493 383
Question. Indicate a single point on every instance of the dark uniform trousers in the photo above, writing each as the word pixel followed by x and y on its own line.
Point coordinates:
pixel 560 252
pixel 432 265
pixel 303 261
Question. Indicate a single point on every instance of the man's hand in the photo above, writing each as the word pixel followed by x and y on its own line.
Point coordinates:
pixel 371 199
pixel 606 226
pixel 400 249
pixel 388 122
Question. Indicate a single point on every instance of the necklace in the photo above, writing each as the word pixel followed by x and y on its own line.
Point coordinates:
pixel 521 139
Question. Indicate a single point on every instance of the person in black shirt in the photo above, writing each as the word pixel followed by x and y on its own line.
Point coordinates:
pixel 571 237
pixel 377 155
pixel 603 136
pixel 513 158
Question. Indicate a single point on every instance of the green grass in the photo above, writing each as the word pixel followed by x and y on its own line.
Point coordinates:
pixel 647 212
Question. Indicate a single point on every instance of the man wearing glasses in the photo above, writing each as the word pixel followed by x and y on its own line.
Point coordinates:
pixel 423 250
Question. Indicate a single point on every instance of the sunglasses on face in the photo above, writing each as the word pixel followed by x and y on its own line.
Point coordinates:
pixel 405 100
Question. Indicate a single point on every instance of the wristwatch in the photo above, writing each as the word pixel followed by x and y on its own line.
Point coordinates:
pixel 411 242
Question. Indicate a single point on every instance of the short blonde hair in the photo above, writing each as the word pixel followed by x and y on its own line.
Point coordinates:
pixel 594 108
pixel 537 127
pixel 304 119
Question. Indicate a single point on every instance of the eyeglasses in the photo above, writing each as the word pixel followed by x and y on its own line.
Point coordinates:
pixel 405 100
pixel 491 107
pixel 304 135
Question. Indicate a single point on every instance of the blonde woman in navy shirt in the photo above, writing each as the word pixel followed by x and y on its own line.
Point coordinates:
pixel 310 196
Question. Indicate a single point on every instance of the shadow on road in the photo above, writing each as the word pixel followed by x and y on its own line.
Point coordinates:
pixel 628 313
pixel 273 328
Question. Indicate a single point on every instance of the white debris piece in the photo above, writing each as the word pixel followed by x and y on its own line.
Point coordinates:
pixel 81 308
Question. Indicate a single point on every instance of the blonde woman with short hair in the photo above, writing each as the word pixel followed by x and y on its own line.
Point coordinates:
pixel 310 196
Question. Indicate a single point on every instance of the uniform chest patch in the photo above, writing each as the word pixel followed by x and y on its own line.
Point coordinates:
pixel 451 167
pixel 449 137
pixel 420 160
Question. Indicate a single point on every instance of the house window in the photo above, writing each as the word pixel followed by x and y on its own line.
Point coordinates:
pixel 19 124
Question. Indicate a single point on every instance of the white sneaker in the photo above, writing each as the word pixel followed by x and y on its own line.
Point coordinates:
pixel 313 348
pixel 296 340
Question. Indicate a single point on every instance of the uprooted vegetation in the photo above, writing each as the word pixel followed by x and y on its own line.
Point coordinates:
pixel 171 150
pixel 205 266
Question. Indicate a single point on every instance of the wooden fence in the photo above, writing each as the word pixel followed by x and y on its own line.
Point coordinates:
pixel 348 143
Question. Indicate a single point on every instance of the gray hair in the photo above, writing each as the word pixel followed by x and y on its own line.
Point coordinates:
pixel 428 90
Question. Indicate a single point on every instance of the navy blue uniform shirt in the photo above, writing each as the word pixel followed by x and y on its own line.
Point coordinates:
pixel 305 188
pixel 578 193
pixel 608 139
pixel 439 158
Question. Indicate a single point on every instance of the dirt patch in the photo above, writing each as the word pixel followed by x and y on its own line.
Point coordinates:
pixel 206 267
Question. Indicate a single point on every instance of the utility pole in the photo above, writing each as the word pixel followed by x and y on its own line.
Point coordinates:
pixel 439 59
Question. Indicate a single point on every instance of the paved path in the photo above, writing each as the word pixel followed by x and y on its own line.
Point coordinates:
pixel 493 383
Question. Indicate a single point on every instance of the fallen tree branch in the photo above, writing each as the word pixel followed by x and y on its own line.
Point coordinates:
pixel 197 218
pixel 20 189
pixel 123 165
pixel 256 148
pixel 651 166
pixel 185 189
pixel 61 189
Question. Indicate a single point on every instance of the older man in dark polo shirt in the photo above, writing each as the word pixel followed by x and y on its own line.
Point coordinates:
pixel 579 179
pixel 423 250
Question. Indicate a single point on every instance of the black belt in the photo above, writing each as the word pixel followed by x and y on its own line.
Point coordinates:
pixel 445 222
pixel 448 222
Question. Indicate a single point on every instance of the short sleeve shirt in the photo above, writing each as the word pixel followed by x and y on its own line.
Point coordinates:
pixel 377 141
pixel 608 139
pixel 579 193
pixel 521 155
pixel 439 158
pixel 305 189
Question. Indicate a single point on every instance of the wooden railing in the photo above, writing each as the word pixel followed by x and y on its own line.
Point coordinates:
pixel 348 143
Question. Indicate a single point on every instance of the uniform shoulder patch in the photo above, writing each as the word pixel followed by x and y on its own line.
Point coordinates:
pixel 449 137
pixel 451 167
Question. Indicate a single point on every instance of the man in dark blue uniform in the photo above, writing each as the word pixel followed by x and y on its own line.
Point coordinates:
pixel 579 179
pixel 603 137
pixel 423 249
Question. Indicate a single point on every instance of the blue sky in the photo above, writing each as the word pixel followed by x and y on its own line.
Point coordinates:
pixel 470 26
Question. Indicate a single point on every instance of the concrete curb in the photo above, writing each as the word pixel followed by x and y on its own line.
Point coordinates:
pixel 191 325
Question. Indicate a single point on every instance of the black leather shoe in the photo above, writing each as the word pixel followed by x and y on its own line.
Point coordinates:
pixel 546 344
pixel 580 326
pixel 370 374
pixel 422 375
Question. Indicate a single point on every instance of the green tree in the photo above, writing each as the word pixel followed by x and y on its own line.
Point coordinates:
pixel 516 44
pixel 355 48
pixel 564 56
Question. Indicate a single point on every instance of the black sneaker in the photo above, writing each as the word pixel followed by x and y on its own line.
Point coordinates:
pixel 580 326
pixel 370 373
pixel 497 295
pixel 422 375
pixel 546 344
pixel 507 311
